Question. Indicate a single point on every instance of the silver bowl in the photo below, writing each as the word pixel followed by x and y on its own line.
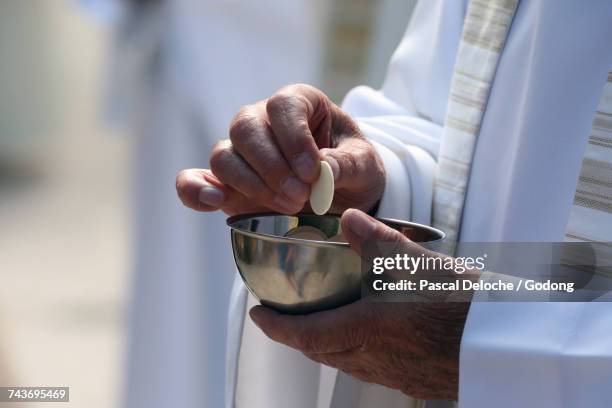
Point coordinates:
pixel 296 275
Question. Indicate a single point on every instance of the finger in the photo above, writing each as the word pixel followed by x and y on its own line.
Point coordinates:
pixel 197 193
pixel 371 238
pixel 232 170
pixel 200 190
pixel 252 138
pixel 348 360
pixel 329 331
pixel 355 164
pixel 295 114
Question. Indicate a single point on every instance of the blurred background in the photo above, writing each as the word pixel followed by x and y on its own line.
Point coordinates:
pixel 101 290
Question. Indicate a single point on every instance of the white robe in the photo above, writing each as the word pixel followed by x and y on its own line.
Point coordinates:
pixel 180 76
pixel 524 172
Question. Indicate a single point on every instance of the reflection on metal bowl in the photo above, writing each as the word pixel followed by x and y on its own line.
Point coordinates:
pixel 298 275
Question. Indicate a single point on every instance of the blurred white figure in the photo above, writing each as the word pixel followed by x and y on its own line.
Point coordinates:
pixel 182 68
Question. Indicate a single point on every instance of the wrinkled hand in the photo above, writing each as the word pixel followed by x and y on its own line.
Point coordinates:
pixel 273 156
pixel 410 346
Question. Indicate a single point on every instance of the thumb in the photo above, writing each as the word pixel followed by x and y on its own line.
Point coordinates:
pixel 355 164
pixel 371 238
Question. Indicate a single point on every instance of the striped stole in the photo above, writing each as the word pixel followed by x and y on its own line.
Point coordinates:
pixel 485 30
pixel 590 218
pixel 591 215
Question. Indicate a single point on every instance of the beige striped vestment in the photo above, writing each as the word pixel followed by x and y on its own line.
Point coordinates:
pixel 591 215
pixel 484 34
pixel 485 30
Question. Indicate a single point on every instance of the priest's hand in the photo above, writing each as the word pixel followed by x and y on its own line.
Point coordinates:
pixel 273 155
pixel 410 346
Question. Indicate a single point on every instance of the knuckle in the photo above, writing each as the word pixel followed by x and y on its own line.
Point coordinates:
pixel 221 155
pixel 352 164
pixel 245 124
pixel 348 164
pixel 299 89
pixel 246 110
pixel 279 103
pixel 363 154
pixel 369 158
pixel 379 173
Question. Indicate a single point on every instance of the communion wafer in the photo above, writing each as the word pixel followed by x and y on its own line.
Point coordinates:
pixel 322 191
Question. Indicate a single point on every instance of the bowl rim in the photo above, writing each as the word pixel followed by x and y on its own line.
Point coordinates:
pixel 268 237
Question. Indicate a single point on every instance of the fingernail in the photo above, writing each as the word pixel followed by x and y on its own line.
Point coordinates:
pixel 211 195
pixel 286 205
pixel 333 163
pixel 294 189
pixel 360 224
pixel 305 166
